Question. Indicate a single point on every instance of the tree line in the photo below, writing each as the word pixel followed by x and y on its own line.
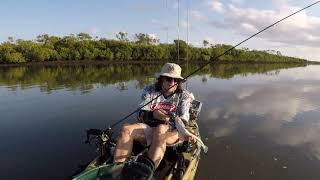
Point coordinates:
pixel 144 47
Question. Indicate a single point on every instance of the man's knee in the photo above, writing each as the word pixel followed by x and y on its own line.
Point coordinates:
pixel 127 130
pixel 133 131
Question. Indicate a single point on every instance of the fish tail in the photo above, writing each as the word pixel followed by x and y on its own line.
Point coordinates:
pixel 205 149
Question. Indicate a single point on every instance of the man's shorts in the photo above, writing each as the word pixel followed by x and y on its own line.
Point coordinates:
pixel 148 134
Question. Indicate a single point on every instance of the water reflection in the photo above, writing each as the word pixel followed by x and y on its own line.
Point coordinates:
pixel 277 105
pixel 268 125
pixel 84 78
pixel 259 121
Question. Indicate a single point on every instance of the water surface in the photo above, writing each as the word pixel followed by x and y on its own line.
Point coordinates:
pixel 259 121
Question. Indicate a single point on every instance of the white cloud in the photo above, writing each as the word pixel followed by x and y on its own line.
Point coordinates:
pixel 216 6
pixel 248 28
pixel 175 5
pixel 280 3
pixel 301 29
pixel 153 36
pixel 196 43
pixel 94 30
pixel 158 24
pixel 185 24
pixel 297 36
pixel 238 1
pixel 155 21
pixel 197 15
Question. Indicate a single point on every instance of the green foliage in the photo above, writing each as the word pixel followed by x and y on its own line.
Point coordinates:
pixel 122 51
pixel 205 54
pixel 142 38
pixel 145 48
pixel 33 51
pixel 103 54
pixel 183 50
pixel 14 57
pixel 149 53
pixel 122 36
pixel 83 37
pixel 9 54
pixel 205 43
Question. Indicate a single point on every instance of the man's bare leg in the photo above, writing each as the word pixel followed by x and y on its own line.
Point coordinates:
pixel 162 136
pixel 128 134
pixel 158 145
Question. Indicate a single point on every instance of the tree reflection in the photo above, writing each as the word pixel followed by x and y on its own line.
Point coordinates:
pixel 83 77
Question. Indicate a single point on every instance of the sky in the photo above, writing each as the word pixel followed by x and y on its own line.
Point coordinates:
pixel 217 21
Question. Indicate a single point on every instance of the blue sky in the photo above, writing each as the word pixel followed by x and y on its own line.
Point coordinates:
pixel 218 21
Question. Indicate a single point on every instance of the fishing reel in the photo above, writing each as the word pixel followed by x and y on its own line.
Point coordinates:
pixel 101 138
pixel 102 135
pixel 185 147
pixel 172 115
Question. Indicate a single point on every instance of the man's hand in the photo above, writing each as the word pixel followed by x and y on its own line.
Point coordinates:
pixel 160 115
pixel 189 138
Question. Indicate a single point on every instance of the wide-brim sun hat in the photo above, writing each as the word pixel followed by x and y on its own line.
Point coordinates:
pixel 170 70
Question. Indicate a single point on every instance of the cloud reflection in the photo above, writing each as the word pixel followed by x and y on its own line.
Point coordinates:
pixel 280 111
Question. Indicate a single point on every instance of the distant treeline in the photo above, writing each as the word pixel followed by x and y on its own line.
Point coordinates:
pixel 143 48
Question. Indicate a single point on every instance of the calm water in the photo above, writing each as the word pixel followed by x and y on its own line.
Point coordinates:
pixel 259 121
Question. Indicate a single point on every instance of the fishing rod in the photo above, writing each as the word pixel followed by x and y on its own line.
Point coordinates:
pixel 214 59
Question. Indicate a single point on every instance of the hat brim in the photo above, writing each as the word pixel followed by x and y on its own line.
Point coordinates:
pixel 169 75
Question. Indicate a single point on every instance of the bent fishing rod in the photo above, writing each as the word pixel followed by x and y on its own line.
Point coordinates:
pixel 214 59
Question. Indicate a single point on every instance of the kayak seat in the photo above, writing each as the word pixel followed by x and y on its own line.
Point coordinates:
pixel 195 109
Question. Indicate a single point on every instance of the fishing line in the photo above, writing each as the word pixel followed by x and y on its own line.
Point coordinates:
pixel 214 59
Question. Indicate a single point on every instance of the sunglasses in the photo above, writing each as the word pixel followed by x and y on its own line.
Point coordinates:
pixel 169 79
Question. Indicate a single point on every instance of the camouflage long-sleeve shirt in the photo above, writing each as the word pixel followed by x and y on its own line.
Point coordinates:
pixel 178 103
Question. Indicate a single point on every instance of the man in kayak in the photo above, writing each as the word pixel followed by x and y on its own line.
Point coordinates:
pixel 153 129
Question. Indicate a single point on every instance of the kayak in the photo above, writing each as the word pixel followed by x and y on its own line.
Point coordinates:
pixel 179 162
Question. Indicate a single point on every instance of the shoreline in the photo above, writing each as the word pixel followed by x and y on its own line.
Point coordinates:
pixel 96 62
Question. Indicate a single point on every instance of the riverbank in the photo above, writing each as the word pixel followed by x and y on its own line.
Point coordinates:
pixel 96 62
pixel 83 47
